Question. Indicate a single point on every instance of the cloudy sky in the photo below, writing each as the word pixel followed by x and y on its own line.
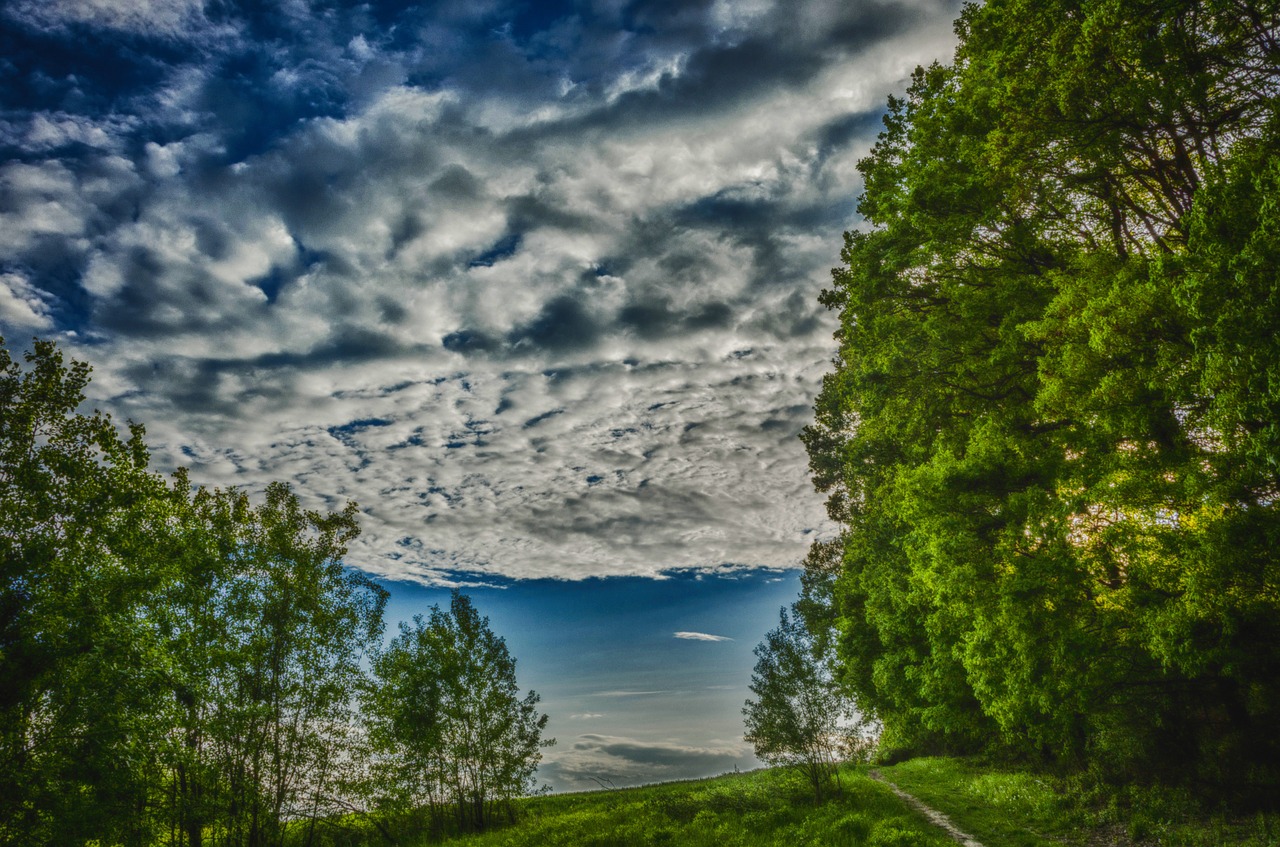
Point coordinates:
pixel 532 282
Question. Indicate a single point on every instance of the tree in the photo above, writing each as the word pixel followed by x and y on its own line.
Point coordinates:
pixel 447 720
pixel 174 662
pixel 80 668
pixel 800 718
pixel 266 632
pixel 1050 432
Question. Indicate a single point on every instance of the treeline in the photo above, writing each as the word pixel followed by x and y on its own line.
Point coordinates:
pixel 1052 433
pixel 180 666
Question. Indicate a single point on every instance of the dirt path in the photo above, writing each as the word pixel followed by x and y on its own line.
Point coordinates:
pixel 933 815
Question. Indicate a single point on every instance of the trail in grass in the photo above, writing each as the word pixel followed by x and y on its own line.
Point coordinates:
pixel 933 815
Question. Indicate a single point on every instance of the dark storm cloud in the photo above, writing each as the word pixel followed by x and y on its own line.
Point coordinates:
pixel 466 341
pixel 724 77
pixel 533 282
pixel 709 316
pixel 652 317
pixel 532 211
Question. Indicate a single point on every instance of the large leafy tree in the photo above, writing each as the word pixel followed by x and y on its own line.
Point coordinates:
pixel 1050 433
pixel 172 660
pixel 446 716
pixel 81 670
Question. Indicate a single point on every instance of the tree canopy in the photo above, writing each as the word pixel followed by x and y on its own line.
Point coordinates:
pixel 79 676
pixel 1052 430
pixel 447 717
pixel 182 666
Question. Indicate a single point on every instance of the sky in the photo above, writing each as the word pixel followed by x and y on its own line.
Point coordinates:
pixel 643 680
pixel 534 283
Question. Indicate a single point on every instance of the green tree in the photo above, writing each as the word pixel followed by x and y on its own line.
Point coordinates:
pixel 267 633
pixel 799 717
pixel 1050 433
pixel 175 662
pixel 447 721
pixel 80 668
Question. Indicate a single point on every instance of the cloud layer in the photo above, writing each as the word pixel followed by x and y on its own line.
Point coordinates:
pixel 596 761
pixel 533 283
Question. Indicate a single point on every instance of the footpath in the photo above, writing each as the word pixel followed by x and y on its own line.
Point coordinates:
pixel 933 815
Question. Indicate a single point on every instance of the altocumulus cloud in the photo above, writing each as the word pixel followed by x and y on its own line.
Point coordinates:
pixel 533 283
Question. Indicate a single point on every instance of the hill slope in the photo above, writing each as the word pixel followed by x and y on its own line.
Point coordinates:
pixel 997 805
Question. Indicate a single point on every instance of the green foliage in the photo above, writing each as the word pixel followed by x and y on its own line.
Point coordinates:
pixel 266 631
pixel 799 718
pixel 447 721
pixel 79 675
pixel 171 660
pixel 1051 434
pixel 180 666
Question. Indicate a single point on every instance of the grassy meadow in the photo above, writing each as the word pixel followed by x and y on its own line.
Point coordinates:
pixel 997 805
pixel 764 808
pixel 767 808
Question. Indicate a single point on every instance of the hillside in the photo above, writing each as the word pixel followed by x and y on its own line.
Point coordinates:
pixel 764 807
pixel 998 806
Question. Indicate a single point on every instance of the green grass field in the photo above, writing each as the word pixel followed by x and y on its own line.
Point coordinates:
pixel 998 805
pixel 764 808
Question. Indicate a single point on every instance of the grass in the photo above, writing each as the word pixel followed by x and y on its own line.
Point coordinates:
pixel 766 808
pixel 1003 806
pixel 999 805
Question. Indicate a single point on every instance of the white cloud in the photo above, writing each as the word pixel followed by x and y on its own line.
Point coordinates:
pixel 45 200
pixel 700 636
pixel 176 19
pixel 22 305
pixel 579 346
